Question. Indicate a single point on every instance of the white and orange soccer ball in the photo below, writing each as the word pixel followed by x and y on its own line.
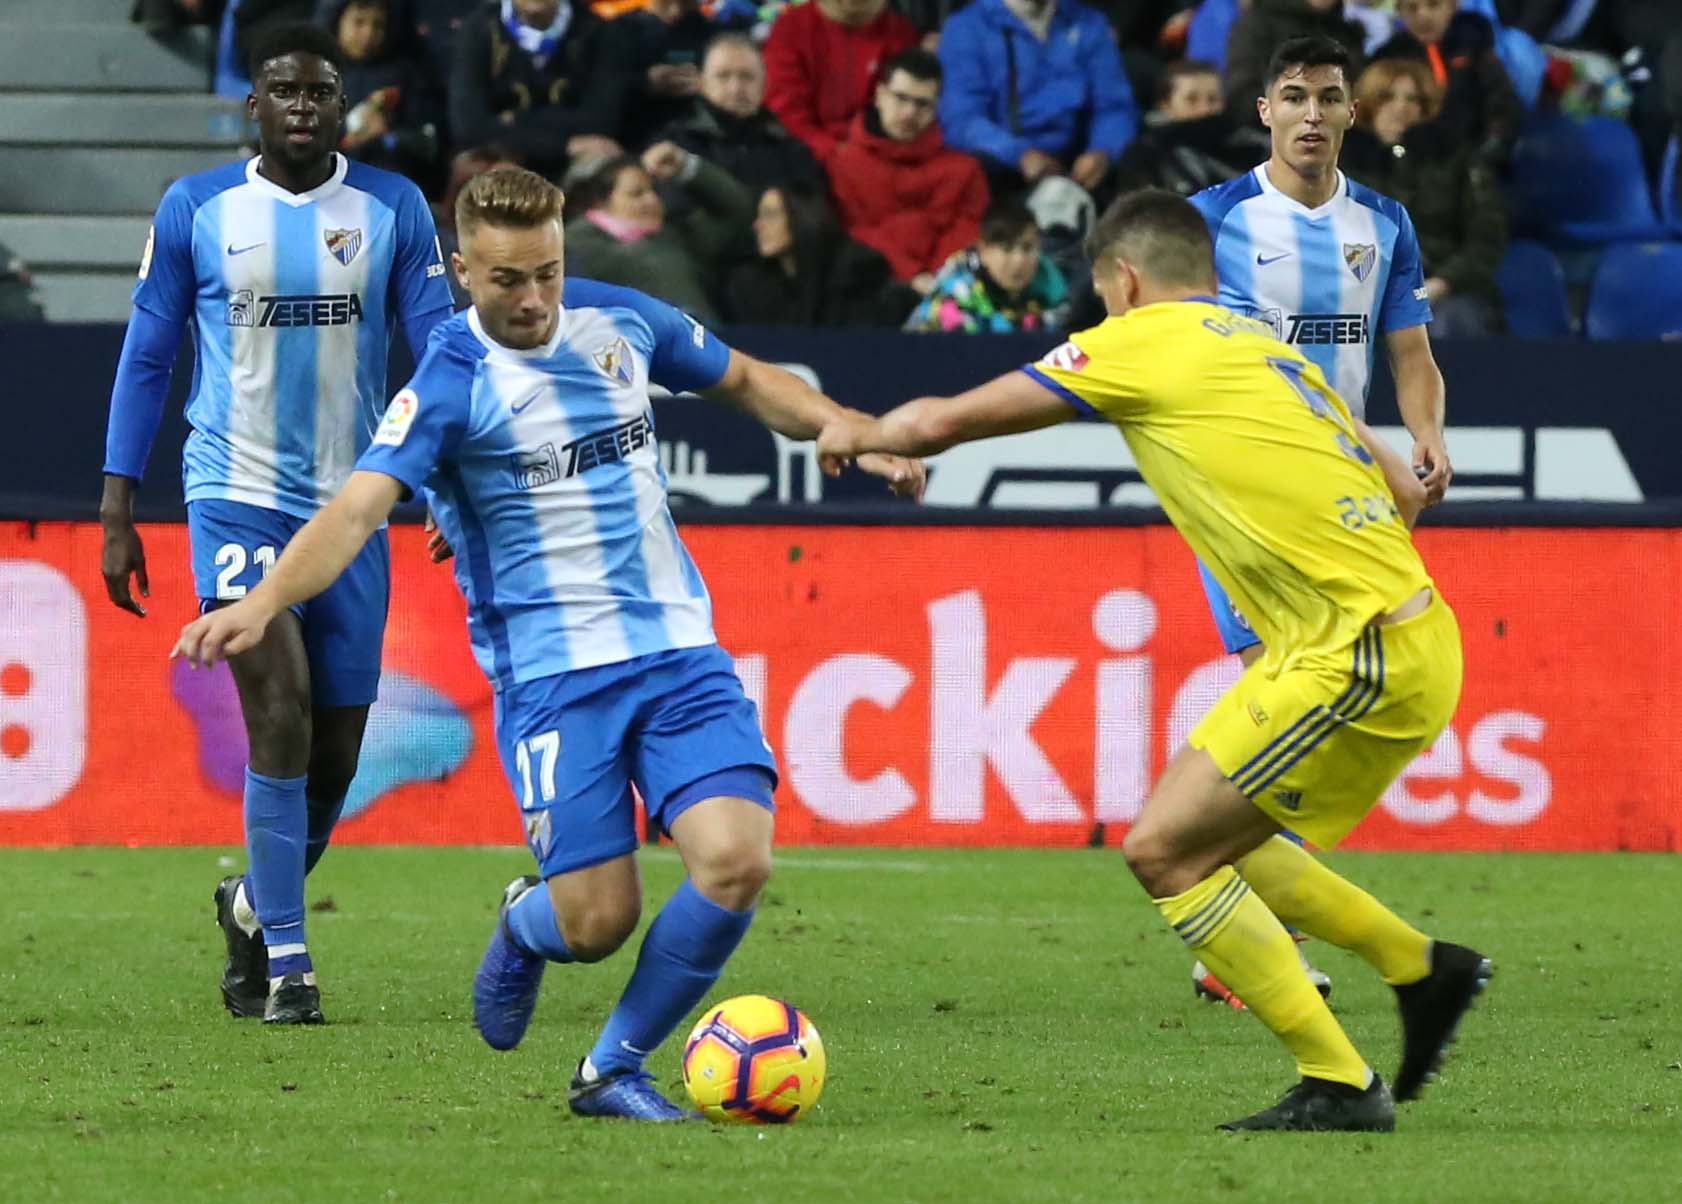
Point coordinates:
pixel 755 1060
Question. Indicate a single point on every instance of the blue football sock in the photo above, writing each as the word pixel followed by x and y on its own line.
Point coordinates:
pixel 276 824
pixel 323 817
pixel 682 956
pixel 532 921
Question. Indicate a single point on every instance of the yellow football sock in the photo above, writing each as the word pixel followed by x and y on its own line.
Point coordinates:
pixel 1247 947
pixel 1300 890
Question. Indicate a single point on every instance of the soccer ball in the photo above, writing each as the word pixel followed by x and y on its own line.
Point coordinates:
pixel 754 1059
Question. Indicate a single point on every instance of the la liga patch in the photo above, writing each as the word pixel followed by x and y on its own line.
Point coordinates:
pixel 399 417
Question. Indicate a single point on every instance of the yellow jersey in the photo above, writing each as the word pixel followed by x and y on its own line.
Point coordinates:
pixel 1256 462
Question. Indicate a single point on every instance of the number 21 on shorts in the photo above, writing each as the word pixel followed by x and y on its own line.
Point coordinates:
pixel 544 749
pixel 231 559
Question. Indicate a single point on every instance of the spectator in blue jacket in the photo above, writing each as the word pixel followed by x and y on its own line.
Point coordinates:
pixel 1035 88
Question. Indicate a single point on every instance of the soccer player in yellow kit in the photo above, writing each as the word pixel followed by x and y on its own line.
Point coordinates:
pixel 1260 466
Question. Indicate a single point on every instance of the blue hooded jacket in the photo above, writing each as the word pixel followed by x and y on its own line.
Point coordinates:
pixel 1071 92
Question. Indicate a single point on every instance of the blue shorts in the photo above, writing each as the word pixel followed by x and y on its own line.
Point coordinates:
pixel 676 724
pixel 1235 629
pixel 234 544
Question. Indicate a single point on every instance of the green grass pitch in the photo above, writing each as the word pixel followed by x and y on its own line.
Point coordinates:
pixel 1001 1026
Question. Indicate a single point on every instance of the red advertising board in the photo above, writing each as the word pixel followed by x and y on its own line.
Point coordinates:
pixel 920 685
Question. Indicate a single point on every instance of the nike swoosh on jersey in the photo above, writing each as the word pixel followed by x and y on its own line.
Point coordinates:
pixel 1263 262
pixel 242 250
pixel 517 407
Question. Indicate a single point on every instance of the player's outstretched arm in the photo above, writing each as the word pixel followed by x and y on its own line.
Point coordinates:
pixel 1405 485
pixel 1006 405
pixel 790 406
pixel 311 562
pixel 1420 398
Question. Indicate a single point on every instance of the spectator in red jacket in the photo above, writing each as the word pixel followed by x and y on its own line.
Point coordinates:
pixel 899 187
pixel 821 62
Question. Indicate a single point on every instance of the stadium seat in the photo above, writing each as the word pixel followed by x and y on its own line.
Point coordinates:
pixel 1637 293
pixel 1581 181
pixel 1670 204
pixel 230 78
pixel 1533 292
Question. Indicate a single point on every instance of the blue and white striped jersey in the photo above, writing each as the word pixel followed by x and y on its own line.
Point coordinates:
pixel 1329 280
pixel 293 298
pixel 542 471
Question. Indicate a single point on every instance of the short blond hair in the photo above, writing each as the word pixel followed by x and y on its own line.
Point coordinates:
pixel 507 196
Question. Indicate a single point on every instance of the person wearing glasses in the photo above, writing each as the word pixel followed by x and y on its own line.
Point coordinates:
pixel 898 186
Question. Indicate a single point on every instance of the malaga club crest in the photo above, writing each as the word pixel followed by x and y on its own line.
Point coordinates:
pixel 344 244
pixel 614 360
pixel 1361 257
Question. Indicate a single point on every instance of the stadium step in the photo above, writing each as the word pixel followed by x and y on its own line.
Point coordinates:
pixel 89 180
pixel 85 296
pixel 120 118
pixel 112 243
pixel 108 56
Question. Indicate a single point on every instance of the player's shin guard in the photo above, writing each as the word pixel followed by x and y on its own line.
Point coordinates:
pixel 276 828
pixel 323 818
pixel 1233 932
pixel 1302 891
pixel 681 957
pixel 532 923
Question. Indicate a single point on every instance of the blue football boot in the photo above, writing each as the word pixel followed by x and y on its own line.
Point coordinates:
pixel 505 989
pixel 625 1095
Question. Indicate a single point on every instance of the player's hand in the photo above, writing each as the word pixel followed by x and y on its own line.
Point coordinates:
pixel 905 477
pixel 664 160
pixel 437 546
pixel 1088 170
pixel 122 555
pixel 841 441
pixel 1430 464
pixel 222 633
pixel 1036 164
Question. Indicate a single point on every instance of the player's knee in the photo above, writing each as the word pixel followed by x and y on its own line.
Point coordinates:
pixel 595 932
pixel 1152 859
pixel 733 873
pixel 331 773
pixel 278 727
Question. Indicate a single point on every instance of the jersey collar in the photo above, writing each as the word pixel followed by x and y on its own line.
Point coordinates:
pixel 1268 187
pixel 547 351
pixel 320 192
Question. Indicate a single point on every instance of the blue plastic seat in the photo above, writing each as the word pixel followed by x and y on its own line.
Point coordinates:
pixel 1670 204
pixel 1637 293
pixel 1532 288
pixel 230 78
pixel 1581 181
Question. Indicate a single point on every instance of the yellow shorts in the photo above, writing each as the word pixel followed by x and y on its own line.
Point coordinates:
pixel 1316 744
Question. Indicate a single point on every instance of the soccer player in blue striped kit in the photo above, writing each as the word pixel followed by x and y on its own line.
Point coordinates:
pixel 1331 266
pixel 293 270
pixel 528 426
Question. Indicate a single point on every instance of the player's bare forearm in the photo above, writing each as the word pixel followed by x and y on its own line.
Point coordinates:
pixel 1405 487
pixel 1006 405
pixel 1420 394
pixel 121 554
pixel 1420 398
pixel 775 396
pixel 116 501
pixel 326 545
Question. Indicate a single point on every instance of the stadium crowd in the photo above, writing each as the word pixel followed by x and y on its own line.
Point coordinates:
pixel 936 163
